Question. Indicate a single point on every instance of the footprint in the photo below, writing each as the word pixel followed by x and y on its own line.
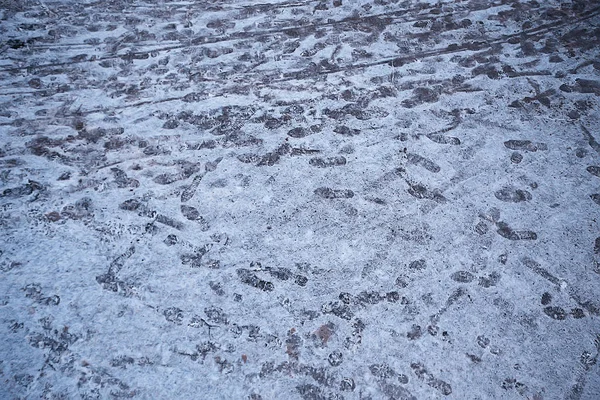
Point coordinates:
pixel 299 132
pixel 424 375
pixel 429 165
pixel 510 194
pixel 328 193
pixel 345 131
pixel 249 158
pixel 525 145
pixel 491 280
pixel 419 191
pixel 418 265
pixel 22 191
pixel 462 276
pixel 192 214
pixel 190 190
pixel 441 139
pixel 555 312
pixel 507 232
pixel 327 162
pixel 250 279
pixel 594 170
pixel 300 151
pixel 516 157
pixel 122 180
pixel 481 228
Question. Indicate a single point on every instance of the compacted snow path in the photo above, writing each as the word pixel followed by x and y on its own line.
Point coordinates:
pixel 335 199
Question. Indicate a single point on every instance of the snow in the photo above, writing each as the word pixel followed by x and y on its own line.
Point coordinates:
pixel 304 200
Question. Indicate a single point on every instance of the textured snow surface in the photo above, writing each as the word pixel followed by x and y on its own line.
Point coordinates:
pixel 300 199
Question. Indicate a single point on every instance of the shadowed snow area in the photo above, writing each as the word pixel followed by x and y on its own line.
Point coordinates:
pixel 274 199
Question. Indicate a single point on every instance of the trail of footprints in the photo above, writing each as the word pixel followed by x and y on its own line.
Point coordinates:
pixel 348 306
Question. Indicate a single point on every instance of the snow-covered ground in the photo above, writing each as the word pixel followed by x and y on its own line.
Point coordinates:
pixel 300 199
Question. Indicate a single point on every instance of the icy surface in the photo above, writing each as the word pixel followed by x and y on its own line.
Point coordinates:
pixel 300 199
